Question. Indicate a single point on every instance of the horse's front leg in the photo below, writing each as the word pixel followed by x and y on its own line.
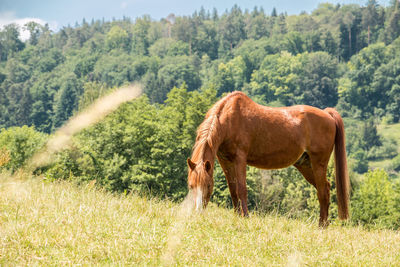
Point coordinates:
pixel 240 172
pixel 229 169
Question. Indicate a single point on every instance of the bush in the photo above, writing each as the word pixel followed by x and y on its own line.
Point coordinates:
pixel 19 144
pixel 395 163
pixel 374 202
pixel 287 192
pixel 359 162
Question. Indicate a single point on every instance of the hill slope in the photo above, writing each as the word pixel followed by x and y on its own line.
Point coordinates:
pixel 56 223
pixel 389 131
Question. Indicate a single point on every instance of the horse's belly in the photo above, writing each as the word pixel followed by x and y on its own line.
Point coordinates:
pixel 277 160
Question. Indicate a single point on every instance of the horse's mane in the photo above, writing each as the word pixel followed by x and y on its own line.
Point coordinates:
pixel 209 130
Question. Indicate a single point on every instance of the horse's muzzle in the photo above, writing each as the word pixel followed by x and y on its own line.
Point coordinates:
pixel 198 200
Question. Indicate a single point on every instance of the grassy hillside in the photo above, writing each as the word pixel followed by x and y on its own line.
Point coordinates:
pixel 56 223
pixel 389 131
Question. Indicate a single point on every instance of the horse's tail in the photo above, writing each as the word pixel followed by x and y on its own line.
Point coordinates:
pixel 342 176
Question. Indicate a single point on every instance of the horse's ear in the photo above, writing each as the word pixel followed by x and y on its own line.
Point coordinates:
pixel 207 166
pixel 191 164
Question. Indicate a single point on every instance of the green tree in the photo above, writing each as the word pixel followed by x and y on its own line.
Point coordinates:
pixel 113 69
pixel 67 101
pixel 372 19
pixel 232 28
pixel 257 27
pixel 392 27
pixel 185 30
pixel 85 65
pixel 328 43
pixel 280 25
pixel 231 76
pixel 294 43
pixel 173 72
pixel 34 29
pixel 50 60
pixel 386 82
pixel 278 78
pixel 350 29
pixel 320 80
pixel 169 47
pixel 206 40
pixel 140 42
pixel 117 37
pixel 10 42
pixel 42 110
pixel 16 71
pixel 358 89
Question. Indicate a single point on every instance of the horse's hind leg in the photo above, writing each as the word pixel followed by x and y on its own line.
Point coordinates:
pixel 304 167
pixel 323 188
pixel 323 192
pixel 314 170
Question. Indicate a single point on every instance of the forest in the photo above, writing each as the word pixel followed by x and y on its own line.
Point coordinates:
pixel 342 56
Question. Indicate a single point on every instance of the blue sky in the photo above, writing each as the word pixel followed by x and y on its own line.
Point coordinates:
pixel 61 13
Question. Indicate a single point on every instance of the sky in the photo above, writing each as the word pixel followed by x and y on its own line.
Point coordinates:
pixel 59 13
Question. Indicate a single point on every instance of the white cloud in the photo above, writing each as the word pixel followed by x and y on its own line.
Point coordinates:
pixel 9 17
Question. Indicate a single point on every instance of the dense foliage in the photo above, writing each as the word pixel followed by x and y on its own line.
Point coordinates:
pixel 141 147
pixel 344 56
pixel 337 53
pixel 17 145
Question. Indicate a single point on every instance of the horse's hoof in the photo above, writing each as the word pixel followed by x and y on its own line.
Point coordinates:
pixel 323 224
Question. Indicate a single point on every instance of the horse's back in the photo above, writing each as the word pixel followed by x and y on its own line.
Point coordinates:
pixel 274 137
pixel 317 127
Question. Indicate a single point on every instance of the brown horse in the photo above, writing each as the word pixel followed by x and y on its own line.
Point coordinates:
pixel 239 132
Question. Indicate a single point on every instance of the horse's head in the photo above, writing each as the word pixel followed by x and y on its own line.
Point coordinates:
pixel 200 182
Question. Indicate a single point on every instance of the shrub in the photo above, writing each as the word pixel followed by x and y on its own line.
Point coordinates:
pixel 395 163
pixel 373 204
pixel 287 192
pixel 20 143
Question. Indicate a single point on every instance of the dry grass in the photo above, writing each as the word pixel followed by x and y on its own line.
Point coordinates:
pixel 57 223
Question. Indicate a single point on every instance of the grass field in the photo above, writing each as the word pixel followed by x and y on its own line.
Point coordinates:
pixel 389 131
pixel 57 223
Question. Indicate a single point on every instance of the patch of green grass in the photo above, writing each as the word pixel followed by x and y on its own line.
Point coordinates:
pixel 382 164
pixel 57 223
pixel 388 131
pixel 391 131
